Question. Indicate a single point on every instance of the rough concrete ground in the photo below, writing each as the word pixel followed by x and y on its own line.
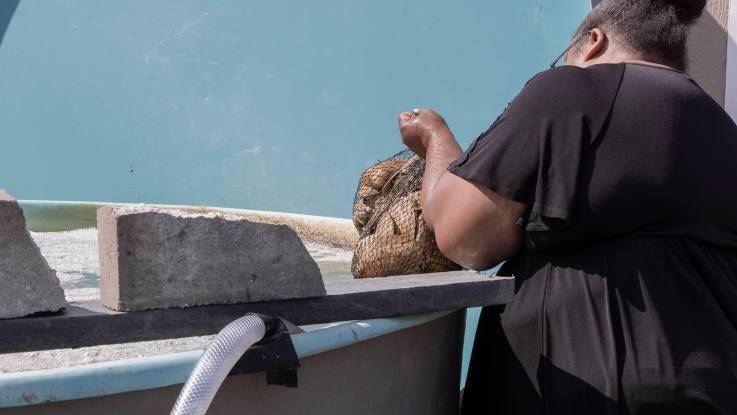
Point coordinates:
pixel 74 256
pixel 60 358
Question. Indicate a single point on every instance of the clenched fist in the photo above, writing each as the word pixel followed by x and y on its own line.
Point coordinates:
pixel 419 127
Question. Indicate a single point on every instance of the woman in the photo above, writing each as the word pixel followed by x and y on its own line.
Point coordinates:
pixel 610 185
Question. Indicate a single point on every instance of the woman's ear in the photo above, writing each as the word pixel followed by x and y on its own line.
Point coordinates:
pixel 596 44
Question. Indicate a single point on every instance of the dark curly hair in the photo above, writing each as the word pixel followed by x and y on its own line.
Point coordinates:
pixel 656 29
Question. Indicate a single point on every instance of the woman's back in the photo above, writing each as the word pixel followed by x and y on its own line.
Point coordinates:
pixel 627 285
pixel 613 150
pixel 665 164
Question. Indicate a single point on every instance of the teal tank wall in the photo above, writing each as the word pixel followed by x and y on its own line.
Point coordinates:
pixel 273 105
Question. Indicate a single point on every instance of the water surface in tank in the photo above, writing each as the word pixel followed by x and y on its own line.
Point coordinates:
pixel 74 256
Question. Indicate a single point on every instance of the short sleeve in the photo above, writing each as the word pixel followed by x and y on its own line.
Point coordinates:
pixel 532 154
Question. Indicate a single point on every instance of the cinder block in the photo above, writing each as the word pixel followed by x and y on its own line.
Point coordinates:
pixel 163 258
pixel 27 284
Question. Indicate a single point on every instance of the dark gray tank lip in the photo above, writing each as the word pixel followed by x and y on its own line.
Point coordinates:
pixel 88 324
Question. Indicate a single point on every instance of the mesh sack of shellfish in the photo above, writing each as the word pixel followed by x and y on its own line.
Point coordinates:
pixel 393 236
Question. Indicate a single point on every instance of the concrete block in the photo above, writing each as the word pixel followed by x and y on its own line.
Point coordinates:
pixel 27 284
pixel 163 258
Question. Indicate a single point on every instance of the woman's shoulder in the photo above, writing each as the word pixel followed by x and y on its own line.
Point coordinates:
pixel 569 74
pixel 564 89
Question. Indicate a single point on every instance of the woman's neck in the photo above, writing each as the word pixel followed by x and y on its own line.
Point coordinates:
pixel 648 63
pixel 615 54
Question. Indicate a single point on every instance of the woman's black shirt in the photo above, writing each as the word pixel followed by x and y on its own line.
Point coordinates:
pixel 627 282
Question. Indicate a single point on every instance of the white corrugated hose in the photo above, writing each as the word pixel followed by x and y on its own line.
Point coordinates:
pixel 215 364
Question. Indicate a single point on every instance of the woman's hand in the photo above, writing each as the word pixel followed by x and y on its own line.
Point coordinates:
pixel 419 127
pixel 473 226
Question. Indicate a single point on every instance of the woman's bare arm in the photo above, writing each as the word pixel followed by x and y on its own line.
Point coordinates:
pixel 473 226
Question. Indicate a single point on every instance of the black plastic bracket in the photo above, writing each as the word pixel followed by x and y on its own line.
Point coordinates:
pixel 274 355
